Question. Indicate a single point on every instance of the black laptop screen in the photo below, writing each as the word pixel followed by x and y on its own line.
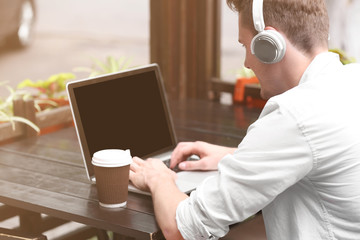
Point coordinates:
pixel 124 113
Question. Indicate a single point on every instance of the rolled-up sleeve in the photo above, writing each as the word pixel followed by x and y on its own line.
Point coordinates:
pixel 274 155
pixel 189 225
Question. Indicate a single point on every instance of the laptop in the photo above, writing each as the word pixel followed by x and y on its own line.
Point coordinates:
pixel 127 110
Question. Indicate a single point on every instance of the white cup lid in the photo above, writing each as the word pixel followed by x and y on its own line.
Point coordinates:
pixel 112 158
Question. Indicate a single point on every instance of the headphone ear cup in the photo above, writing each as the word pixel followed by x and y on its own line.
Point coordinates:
pixel 268 46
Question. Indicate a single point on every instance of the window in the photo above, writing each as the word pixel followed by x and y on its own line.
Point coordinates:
pixel 232 54
pixel 70 34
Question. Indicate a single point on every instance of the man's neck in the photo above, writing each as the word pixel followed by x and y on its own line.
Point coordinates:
pixel 296 62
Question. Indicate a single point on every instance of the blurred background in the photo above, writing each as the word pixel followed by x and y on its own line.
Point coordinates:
pixel 69 34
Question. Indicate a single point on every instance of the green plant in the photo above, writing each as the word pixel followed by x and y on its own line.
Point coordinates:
pixel 344 58
pixel 244 73
pixel 53 87
pixel 110 65
pixel 7 113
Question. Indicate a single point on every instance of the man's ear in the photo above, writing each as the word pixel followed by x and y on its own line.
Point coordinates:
pixel 270 28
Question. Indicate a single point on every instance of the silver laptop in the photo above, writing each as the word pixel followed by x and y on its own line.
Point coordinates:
pixel 127 110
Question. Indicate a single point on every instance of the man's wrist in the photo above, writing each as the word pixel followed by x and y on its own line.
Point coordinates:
pixel 160 180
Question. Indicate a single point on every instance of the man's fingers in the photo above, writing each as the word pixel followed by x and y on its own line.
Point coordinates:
pixel 135 164
pixel 182 152
pixel 192 165
pixel 137 160
pixel 133 167
pixel 131 175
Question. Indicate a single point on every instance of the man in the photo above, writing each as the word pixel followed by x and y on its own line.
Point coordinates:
pixel 299 162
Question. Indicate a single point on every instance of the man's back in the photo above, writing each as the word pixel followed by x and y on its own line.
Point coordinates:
pixel 325 204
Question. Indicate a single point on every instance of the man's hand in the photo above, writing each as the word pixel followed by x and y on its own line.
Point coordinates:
pixel 152 175
pixel 209 154
pixel 145 174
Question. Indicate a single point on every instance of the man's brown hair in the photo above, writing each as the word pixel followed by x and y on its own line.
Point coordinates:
pixel 304 22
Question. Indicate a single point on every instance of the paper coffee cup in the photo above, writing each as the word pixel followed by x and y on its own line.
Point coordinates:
pixel 111 167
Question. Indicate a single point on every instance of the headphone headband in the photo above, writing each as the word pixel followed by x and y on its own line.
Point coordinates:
pixel 258 17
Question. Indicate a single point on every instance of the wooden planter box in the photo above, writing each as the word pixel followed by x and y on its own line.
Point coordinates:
pixel 47 121
pixel 252 95
pixel 239 90
pixel 7 132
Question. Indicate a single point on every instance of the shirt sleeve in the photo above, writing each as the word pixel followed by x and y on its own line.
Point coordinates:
pixel 273 156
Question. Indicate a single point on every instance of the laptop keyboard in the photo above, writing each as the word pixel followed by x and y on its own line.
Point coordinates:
pixel 177 169
pixel 167 163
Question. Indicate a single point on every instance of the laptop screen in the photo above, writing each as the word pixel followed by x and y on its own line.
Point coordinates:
pixel 122 111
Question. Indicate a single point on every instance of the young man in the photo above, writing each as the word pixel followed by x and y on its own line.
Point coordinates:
pixel 299 162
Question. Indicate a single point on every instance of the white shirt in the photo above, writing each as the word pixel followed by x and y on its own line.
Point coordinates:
pixel 299 163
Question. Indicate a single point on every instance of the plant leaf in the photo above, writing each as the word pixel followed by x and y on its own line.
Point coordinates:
pixel 114 67
pixel 26 121
pixel 101 65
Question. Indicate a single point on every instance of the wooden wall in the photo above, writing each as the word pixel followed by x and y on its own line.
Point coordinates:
pixel 185 42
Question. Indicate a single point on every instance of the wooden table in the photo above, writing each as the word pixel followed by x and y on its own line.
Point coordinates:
pixel 46 174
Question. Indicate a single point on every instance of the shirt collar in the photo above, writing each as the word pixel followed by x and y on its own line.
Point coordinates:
pixel 320 63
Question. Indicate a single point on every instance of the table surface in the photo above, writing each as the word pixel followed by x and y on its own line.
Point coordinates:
pixel 46 174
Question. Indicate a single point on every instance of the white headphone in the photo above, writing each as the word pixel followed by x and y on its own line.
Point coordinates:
pixel 268 45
